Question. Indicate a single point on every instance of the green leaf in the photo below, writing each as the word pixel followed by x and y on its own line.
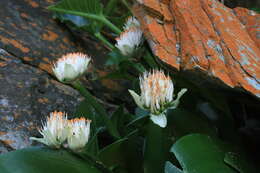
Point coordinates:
pixel 170 168
pixel 256 9
pixel 84 7
pixel 90 9
pixel 118 118
pixel 42 160
pixel 112 155
pixel 150 59
pixel 84 109
pixel 200 154
pixel 92 147
pixel 155 152
pixel 239 163
pixel 77 22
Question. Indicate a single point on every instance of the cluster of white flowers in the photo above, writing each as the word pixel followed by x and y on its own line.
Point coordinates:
pixel 157 95
pixel 58 129
pixel 131 38
pixel 71 66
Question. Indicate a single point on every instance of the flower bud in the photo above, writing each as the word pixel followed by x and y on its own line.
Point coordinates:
pixel 79 131
pixel 71 66
pixel 131 22
pixel 129 41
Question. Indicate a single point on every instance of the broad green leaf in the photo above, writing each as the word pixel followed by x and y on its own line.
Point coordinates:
pixel 42 160
pixel 124 154
pixel 92 147
pixel 170 168
pixel 84 8
pixel 112 155
pixel 200 154
pixel 155 151
pixel 256 9
pixel 150 59
pixel 239 163
pixel 90 9
pixel 118 118
pixel 84 109
pixel 78 21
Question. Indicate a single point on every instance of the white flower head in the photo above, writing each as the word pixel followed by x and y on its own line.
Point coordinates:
pixel 71 66
pixel 131 22
pixel 129 41
pixel 79 131
pixel 54 130
pixel 157 95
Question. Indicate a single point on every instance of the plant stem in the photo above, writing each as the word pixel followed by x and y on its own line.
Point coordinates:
pixel 104 40
pixel 98 108
pixel 98 17
pixel 111 25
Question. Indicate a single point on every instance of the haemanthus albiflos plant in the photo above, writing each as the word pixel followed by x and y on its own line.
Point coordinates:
pixel 157 95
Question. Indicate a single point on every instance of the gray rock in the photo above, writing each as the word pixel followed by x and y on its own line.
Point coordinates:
pixel 27 96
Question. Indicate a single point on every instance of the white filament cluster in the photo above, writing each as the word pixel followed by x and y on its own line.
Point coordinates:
pixel 71 66
pixel 156 90
pixel 157 95
pixel 131 22
pixel 129 41
pixel 57 129
pixel 78 133
pixel 54 130
pixel 131 38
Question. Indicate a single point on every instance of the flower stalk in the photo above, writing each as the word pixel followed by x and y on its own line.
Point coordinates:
pixel 98 108
pixel 104 40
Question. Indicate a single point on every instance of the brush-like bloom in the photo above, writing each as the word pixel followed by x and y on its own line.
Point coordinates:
pixel 131 22
pixel 129 41
pixel 54 131
pixel 71 66
pixel 157 95
pixel 79 130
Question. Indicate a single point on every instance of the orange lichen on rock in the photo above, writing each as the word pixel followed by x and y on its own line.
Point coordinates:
pixel 2 64
pixel 204 36
pixel 15 44
pixel 50 36
pixel 43 100
pixel 46 67
pixel 251 20
pixel 33 3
